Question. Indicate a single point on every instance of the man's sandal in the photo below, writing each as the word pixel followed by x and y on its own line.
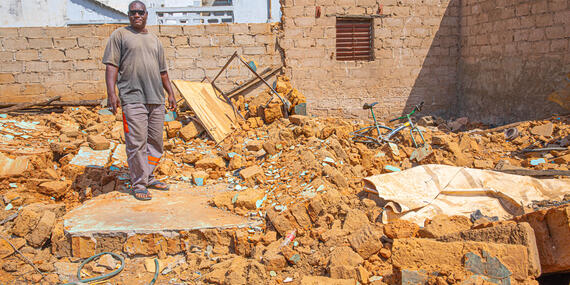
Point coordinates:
pixel 142 194
pixel 159 185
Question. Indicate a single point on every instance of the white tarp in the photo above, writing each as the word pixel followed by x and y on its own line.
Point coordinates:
pixel 427 190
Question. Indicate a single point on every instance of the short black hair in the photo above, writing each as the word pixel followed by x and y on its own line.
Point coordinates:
pixel 137 2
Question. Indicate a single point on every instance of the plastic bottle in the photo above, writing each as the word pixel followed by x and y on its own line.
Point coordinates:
pixel 289 238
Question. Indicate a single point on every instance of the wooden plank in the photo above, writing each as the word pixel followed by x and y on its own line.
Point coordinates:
pixel 22 106
pixel 215 114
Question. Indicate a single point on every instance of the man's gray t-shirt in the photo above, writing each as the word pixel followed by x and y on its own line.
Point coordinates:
pixel 140 59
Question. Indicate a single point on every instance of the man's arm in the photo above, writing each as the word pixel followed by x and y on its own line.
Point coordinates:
pixel 111 73
pixel 168 88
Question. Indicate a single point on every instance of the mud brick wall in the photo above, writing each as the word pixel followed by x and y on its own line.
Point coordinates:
pixel 66 61
pixel 416 50
pixel 513 54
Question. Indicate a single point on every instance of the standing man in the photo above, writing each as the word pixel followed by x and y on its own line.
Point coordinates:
pixel 136 57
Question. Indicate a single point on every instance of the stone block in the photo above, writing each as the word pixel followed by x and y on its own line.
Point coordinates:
pixel 36 66
pixel 25 222
pixel 83 246
pixel 299 120
pixel 77 53
pixel 251 172
pixel 213 162
pixel 248 198
pixel 366 241
pixel 344 256
pixel 507 233
pixel 301 216
pixel 552 231
pixel 430 255
pixel 145 244
pixel 13 44
pixel 280 222
pixel 237 161
pixel 199 177
pixel 55 188
pixel 254 145
pixel 6 78
pixel 42 232
pixel 52 54
pixel 27 54
pixel 442 225
pixel 401 229
pixel 543 130
pixel 172 128
pixel 355 220
pixel 40 43
pixel 98 142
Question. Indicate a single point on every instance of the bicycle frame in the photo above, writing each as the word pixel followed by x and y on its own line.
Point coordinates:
pixel 391 132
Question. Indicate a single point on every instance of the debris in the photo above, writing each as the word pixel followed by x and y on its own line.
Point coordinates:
pixel 56 188
pixel 199 177
pixel 248 198
pixel 392 168
pixel 215 113
pixel 458 124
pixel 552 230
pixel 543 130
pixel 427 254
pixel 13 167
pixel 401 229
pixel 433 189
pixel 107 261
pixel 26 105
pixel 191 131
pixel 98 142
pixel 251 172
pixel 441 225
pixel 213 162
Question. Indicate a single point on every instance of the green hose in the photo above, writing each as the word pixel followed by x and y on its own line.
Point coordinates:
pixel 155 272
pixel 102 277
pixel 110 274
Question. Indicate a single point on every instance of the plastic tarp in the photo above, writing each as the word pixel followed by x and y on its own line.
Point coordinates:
pixel 424 191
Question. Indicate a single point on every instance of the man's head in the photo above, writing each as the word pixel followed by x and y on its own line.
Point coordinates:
pixel 137 14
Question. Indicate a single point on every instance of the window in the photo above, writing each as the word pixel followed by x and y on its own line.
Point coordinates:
pixel 354 39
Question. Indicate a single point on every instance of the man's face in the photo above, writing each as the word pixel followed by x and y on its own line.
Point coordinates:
pixel 137 15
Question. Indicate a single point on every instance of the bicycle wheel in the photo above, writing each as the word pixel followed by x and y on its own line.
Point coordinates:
pixel 369 135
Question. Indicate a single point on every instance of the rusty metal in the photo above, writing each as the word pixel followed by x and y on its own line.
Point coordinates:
pixel 354 39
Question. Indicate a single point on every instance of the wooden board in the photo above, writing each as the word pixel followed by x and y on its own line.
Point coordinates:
pixel 216 115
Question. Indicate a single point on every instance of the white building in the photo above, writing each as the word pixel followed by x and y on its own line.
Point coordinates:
pixel 58 13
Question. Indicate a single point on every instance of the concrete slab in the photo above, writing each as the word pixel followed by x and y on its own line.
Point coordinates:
pixel 92 158
pixel 184 207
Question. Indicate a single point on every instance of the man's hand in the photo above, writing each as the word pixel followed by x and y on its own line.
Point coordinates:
pixel 171 102
pixel 111 73
pixel 166 85
pixel 113 103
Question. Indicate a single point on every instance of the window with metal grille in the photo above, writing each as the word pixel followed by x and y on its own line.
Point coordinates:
pixel 354 39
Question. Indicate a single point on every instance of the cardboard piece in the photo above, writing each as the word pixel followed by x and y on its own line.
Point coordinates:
pixel 215 113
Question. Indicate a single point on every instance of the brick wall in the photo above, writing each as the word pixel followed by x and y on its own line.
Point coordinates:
pixel 513 54
pixel 416 50
pixel 39 62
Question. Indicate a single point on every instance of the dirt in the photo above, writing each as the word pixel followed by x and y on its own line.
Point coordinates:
pixel 300 174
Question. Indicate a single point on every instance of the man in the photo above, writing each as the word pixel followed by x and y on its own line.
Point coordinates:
pixel 136 57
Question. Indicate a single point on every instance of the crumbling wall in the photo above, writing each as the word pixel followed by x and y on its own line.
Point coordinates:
pixel 513 54
pixel 416 49
pixel 66 61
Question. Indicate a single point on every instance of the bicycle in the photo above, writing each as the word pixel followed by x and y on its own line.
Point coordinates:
pixel 366 135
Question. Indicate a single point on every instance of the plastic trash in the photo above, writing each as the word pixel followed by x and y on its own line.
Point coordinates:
pixel 288 239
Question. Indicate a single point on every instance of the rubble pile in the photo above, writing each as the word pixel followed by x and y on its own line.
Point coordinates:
pixel 300 176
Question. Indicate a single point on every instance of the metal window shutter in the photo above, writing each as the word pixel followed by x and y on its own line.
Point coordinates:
pixel 354 39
